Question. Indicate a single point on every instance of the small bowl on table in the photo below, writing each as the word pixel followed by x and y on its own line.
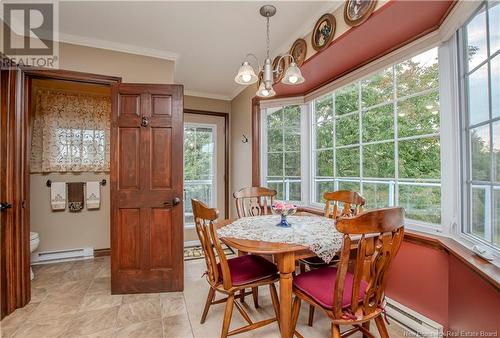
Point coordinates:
pixel 284 209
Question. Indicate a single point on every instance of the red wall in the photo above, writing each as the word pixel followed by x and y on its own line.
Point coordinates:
pixel 419 280
pixel 474 305
pixel 439 286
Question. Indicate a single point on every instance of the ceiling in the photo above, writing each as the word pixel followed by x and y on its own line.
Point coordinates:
pixel 208 40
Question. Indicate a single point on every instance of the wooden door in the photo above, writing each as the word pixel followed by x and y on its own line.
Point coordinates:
pixel 14 180
pixel 147 188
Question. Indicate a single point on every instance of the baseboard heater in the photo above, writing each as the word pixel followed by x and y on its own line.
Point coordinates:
pixel 420 325
pixel 45 257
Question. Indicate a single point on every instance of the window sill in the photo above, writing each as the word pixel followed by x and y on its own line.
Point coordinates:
pixel 489 271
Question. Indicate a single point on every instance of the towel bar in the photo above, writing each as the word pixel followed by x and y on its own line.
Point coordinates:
pixel 49 183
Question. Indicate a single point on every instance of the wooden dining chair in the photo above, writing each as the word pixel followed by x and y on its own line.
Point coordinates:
pixel 230 276
pixel 254 201
pixel 355 296
pixel 352 205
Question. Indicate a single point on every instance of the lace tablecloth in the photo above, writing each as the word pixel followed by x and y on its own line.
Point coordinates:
pixel 317 233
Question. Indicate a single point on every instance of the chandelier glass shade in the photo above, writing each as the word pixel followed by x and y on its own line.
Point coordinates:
pixel 247 73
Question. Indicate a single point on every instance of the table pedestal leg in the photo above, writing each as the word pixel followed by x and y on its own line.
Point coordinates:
pixel 286 266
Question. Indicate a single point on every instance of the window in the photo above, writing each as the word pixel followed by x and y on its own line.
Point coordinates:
pixel 199 167
pixel 71 132
pixel 380 136
pixel 480 75
pixel 282 160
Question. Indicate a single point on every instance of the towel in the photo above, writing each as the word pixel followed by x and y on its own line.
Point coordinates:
pixel 75 196
pixel 58 195
pixel 93 192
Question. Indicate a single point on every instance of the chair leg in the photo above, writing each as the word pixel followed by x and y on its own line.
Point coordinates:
pixel 302 267
pixel 311 316
pixel 275 301
pixel 242 295
pixel 210 298
pixel 228 312
pixel 295 313
pixel 336 331
pixel 255 294
pixel 381 327
pixel 366 325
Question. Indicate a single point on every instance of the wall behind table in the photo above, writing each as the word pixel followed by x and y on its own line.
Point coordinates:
pixel 61 230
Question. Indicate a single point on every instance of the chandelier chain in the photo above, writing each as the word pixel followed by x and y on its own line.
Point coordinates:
pixel 268 39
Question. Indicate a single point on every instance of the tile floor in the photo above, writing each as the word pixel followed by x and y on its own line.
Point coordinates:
pixel 73 299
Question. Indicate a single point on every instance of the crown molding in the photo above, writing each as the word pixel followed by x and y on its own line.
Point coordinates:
pixel 118 47
pixel 207 95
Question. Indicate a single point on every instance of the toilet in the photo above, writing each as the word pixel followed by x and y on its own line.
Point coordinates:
pixel 34 242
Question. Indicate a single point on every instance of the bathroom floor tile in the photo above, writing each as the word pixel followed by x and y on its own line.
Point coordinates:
pixel 96 302
pixel 149 329
pixel 100 286
pixel 139 311
pixel 44 328
pixel 85 323
pixel 177 327
pixel 172 304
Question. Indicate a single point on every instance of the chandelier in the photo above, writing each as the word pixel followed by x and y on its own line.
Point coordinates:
pixel 247 74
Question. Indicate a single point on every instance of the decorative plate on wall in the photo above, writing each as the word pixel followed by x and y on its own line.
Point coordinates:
pixel 323 32
pixel 277 76
pixel 357 11
pixel 299 51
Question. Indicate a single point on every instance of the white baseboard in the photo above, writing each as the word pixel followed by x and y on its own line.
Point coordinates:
pixel 46 257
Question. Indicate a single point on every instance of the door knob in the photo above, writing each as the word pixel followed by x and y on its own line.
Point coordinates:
pixel 5 205
pixel 174 202
pixel 144 121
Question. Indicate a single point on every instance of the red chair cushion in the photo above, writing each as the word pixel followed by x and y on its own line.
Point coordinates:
pixel 319 285
pixel 249 268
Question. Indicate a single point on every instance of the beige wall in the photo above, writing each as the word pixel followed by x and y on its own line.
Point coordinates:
pixel 61 230
pixel 206 104
pixel 241 153
pixel 130 67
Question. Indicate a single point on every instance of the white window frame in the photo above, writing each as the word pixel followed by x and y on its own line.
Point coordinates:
pixel 415 224
pixel 450 131
pixel 303 146
pixel 213 198
pixel 459 230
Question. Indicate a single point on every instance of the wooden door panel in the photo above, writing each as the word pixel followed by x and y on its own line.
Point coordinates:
pixel 129 105
pixel 161 232
pixel 161 150
pixel 162 105
pixel 129 234
pixel 129 156
pixel 146 177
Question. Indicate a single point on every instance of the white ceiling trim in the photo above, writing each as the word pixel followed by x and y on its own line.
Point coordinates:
pixel 207 95
pixel 304 30
pixel 118 47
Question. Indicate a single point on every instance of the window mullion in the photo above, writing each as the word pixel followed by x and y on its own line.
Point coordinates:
pixel 394 188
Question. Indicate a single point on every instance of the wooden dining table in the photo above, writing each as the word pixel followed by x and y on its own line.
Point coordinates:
pixel 285 256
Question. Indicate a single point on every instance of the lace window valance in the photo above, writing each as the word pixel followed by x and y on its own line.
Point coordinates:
pixel 71 132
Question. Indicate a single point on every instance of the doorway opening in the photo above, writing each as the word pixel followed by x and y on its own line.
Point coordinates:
pixel 206 156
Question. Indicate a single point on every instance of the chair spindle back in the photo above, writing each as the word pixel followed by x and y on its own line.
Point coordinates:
pixel 205 228
pixel 382 232
pixel 254 201
pixel 353 203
